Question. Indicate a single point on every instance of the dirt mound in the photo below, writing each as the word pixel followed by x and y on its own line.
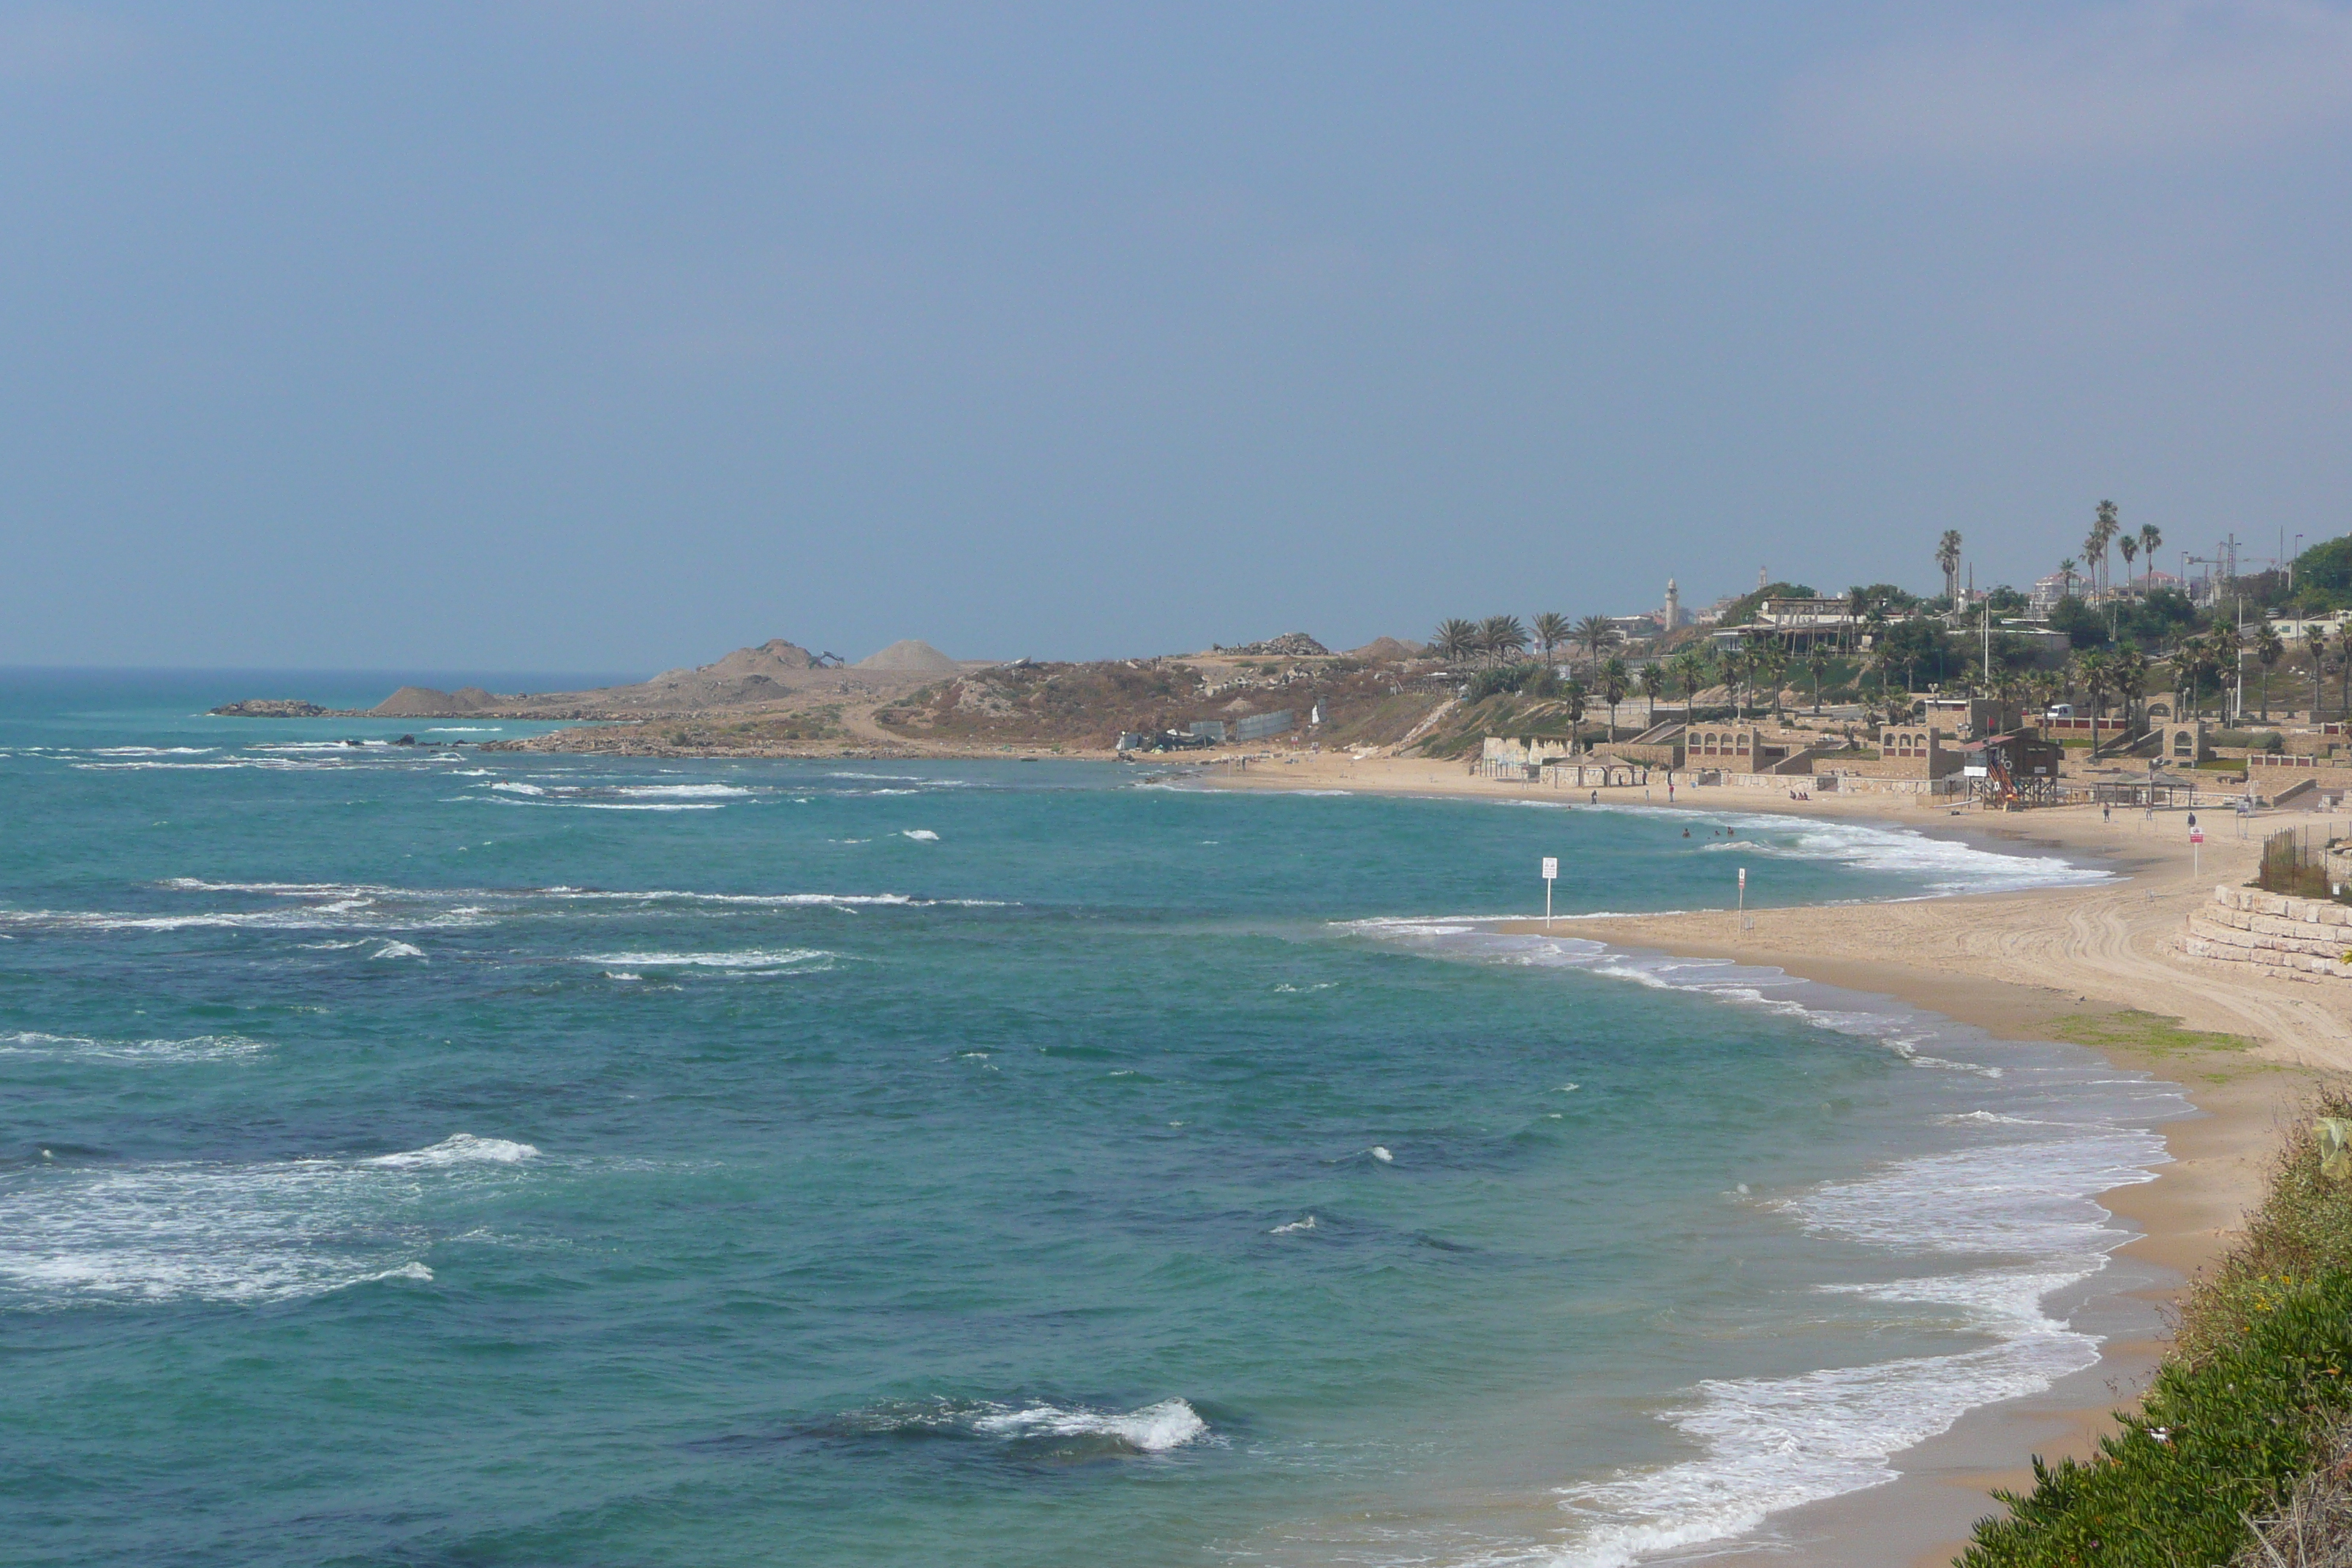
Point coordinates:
pixel 1388 650
pixel 425 703
pixel 1289 644
pixel 910 656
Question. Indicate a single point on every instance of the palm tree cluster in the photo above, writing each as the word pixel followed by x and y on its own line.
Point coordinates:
pixel 1501 640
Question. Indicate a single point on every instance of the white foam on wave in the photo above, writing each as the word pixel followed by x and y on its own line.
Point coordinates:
pixel 919 834
pixel 198 1047
pixel 2024 1197
pixel 1153 1429
pixel 771 959
pixel 515 787
pixel 458 1149
pixel 221 1231
pixel 398 950
pixel 1771 1444
pixel 684 791
pixel 561 894
pixel 625 804
pixel 339 915
pixel 152 751
pixel 1949 865
pixel 1294 1227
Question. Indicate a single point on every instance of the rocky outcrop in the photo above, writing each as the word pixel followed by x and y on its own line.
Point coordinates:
pixel 269 707
pixel 1289 644
pixel 2290 939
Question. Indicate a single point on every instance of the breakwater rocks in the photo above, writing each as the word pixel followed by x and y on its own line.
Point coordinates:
pixel 2289 939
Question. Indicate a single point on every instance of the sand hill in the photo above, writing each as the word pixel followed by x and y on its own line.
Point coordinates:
pixel 910 656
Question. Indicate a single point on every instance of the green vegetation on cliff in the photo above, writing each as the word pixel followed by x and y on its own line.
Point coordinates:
pixel 2245 1420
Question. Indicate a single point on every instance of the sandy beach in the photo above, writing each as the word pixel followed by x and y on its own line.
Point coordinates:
pixel 2094 964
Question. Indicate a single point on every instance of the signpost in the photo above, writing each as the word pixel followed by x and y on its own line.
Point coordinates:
pixel 1551 874
pixel 2196 853
pixel 1743 898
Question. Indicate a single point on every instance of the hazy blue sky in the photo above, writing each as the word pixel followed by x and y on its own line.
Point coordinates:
pixel 599 335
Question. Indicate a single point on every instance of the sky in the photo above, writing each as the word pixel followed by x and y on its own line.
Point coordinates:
pixel 580 335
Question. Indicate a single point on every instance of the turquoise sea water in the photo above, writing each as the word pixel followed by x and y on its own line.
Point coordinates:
pixel 412 1158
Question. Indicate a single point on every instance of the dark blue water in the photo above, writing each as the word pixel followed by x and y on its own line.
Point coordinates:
pixel 419 1158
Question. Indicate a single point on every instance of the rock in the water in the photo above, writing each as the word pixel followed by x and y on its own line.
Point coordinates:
pixel 269 708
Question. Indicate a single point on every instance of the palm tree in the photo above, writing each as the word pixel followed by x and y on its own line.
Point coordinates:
pixel 2269 648
pixel 1690 668
pixel 1614 682
pixel 1948 556
pixel 2150 537
pixel 1552 630
pixel 2066 570
pixel 2128 548
pixel 2343 666
pixel 1732 665
pixel 1816 660
pixel 1455 640
pixel 1856 604
pixel 1501 635
pixel 2131 680
pixel 2228 653
pixel 2192 661
pixel 1768 661
pixel 2314 649
pixel 1654 686
pixel 1573 694
pixel 1595 632
pixel 2097 674
pixel 2102 533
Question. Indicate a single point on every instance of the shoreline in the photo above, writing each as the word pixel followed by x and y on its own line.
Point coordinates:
pixel 2087 965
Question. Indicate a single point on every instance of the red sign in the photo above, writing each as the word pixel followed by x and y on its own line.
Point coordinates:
pixel 2197 837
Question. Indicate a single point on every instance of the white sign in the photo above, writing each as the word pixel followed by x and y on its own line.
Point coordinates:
pixel 1743 878
pixel 1551 868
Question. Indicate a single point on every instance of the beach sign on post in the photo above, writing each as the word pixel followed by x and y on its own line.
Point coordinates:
pixel 1551 874
pixel 2196 852
pixel 1743 898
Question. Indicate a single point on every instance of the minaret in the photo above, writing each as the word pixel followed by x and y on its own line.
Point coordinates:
pixel 1760 580
pixel 1674 606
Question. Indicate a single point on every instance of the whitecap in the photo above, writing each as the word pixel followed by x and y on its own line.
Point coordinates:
pixel 198 1047
pixel 1153 1429
pixel 772 959
pixel 1294 1227
pixel 458 1149
pixel 683 791
pixel 921 835
pixel 398 950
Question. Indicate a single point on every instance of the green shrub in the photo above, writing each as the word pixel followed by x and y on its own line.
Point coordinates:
pixel 2214 1442
pixel 2260 1374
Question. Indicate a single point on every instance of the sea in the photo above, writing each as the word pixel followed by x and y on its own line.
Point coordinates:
pixel 417 1155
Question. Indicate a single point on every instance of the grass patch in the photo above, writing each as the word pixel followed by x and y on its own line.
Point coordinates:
pixel 2247 1408
pixel 2147 1033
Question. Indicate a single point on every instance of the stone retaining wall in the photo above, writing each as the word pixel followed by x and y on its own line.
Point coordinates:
pixel 2293 939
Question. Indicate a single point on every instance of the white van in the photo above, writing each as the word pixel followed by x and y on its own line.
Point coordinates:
pixel 2060 710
